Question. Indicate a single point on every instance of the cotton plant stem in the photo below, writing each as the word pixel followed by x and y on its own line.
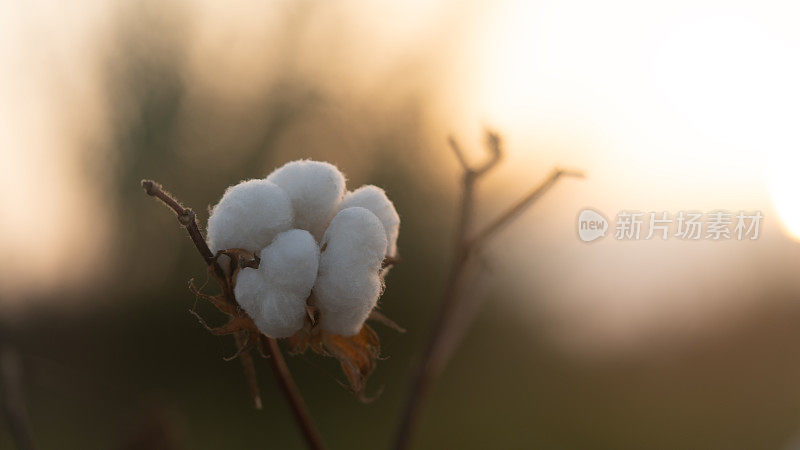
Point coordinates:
pixel 187 219
pixel 451 323
pixel 249 368
pixel 292 393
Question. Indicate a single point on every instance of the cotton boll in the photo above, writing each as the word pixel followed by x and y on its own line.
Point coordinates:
pixel 250 285
pixel 274 295
pixel 276 313
pixel 282 315
pixel 314 188
pixel 374 199
pixel 291 261
pixel 348 285
pixel 249 215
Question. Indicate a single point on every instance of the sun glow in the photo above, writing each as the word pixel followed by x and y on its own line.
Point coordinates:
pixel 784 186
pixel 704 95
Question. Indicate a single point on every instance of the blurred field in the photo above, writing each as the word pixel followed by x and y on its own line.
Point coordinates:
pixel 576 347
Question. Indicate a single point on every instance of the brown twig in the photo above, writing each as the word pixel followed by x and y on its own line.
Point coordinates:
pixel 446 331
pixel 511 213
pixel 249 368
pixel 291 393
pixel 12 401
pixel 187 219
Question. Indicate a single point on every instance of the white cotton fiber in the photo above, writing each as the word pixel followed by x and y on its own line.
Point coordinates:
pixel 348 284
pixel 374 199
pixel 281 219
pixel 249 290
pixel 274 295
pixel 291 262
pixel 249 215
pixel 314 188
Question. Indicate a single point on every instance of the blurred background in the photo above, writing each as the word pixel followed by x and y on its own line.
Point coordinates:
pixel 666 106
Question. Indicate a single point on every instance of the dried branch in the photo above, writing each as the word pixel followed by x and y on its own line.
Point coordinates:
pixel 454 145
pixel 493 145
pixel 187 219
pixel 249 368
pixel 12 401
pixel 292 393
pixel 451 322
pixel 521 205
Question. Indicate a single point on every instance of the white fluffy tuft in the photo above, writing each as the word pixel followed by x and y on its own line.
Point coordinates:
pixel 357 231
pixel 348 285
pixel 249 216
pixel 374 199
pixel 314 188
pixel 274 295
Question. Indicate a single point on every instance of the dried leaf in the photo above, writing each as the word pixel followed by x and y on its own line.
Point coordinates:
pixel 304 338
pixel 239 259
pixel 240 324
pixel 308 336
pixel 356 354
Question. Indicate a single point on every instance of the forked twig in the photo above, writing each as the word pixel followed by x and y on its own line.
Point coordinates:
pixel 291 393
pixel 447 331
pixel 522 204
